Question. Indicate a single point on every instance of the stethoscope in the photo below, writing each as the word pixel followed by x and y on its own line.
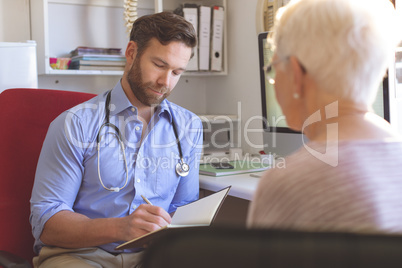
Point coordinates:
pixel 182 168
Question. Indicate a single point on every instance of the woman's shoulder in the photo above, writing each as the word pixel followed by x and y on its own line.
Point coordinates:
pixel 318 159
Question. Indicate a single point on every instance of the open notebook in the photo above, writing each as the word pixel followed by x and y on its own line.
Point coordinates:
pixel 201 212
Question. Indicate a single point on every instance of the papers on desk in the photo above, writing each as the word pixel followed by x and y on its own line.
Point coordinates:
pixel 239 167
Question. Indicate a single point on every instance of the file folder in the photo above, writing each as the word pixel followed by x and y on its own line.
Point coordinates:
pixel 217 38
pixel 204 38
pixel 190 13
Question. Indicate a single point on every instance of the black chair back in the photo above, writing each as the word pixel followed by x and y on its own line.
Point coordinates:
pixel 233 247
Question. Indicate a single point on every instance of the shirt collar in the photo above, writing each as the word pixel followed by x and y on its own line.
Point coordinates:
pixel 164 110
pixel 119 102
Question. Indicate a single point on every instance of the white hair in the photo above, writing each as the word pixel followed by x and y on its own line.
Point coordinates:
pixel 345 45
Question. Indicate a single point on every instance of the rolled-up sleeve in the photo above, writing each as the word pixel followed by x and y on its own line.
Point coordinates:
pixel 59 172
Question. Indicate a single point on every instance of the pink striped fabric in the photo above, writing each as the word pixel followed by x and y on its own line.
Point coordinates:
pixel 363 192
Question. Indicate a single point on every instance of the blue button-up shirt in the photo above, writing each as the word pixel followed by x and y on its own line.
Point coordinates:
pixel 67 176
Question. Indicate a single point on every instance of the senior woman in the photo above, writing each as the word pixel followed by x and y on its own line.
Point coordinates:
pixel 329 58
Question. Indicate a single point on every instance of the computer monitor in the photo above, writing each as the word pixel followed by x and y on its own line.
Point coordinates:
pixel 274 120
pixel 278 137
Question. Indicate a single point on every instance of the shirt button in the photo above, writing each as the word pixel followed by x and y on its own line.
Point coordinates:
pixel 138 180
pixel 134 206
pixel 133 109
pixel 137 128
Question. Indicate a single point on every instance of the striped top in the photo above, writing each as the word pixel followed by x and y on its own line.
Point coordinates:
pixel 361 192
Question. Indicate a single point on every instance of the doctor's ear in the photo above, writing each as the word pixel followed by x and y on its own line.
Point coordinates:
pixel 131 51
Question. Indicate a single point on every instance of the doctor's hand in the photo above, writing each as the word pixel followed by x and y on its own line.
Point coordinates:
pixel 146 218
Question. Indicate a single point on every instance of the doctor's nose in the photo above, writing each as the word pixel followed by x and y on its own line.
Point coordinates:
pixel 164 79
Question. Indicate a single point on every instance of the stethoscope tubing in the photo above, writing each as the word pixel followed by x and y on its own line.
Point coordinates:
pixel 182 168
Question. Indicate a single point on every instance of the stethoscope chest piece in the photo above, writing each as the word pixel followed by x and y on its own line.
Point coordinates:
pixel 182 168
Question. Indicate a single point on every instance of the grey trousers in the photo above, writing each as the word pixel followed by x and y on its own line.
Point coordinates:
pixel 53 257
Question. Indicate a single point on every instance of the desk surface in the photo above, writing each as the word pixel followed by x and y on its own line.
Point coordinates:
pixel 243 185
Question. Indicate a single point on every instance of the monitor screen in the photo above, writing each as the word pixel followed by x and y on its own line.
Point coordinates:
pixel 381 103
pixel 274 120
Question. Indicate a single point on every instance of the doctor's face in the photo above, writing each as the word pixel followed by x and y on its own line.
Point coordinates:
pixel 155 72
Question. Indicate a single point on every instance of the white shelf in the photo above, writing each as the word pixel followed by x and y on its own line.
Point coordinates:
pixel 84 72
pixel 107 3
pixel 120 73
pixel 59 26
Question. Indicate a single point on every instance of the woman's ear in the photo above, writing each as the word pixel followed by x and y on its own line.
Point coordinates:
pixel 298 76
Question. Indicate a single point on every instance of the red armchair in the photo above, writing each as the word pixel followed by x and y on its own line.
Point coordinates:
pixel 25 115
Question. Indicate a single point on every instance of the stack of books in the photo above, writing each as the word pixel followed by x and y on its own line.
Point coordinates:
pixel 93 58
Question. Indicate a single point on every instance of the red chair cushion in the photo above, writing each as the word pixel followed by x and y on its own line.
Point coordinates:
pixel 25 115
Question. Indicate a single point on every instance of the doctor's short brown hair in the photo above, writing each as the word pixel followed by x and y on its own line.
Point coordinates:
pixel 166 27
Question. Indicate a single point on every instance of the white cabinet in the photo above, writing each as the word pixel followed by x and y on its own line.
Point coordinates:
pixel 59 26
pixel 18 65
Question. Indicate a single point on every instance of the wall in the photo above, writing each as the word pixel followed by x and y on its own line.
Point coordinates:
pixel 14 21
pixel 239 91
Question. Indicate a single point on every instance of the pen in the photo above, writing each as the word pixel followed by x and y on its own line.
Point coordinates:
pixel 255 175
pixel 146 200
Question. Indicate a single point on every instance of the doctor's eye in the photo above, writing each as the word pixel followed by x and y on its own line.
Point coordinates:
pixel 158 65
pixel 177 73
